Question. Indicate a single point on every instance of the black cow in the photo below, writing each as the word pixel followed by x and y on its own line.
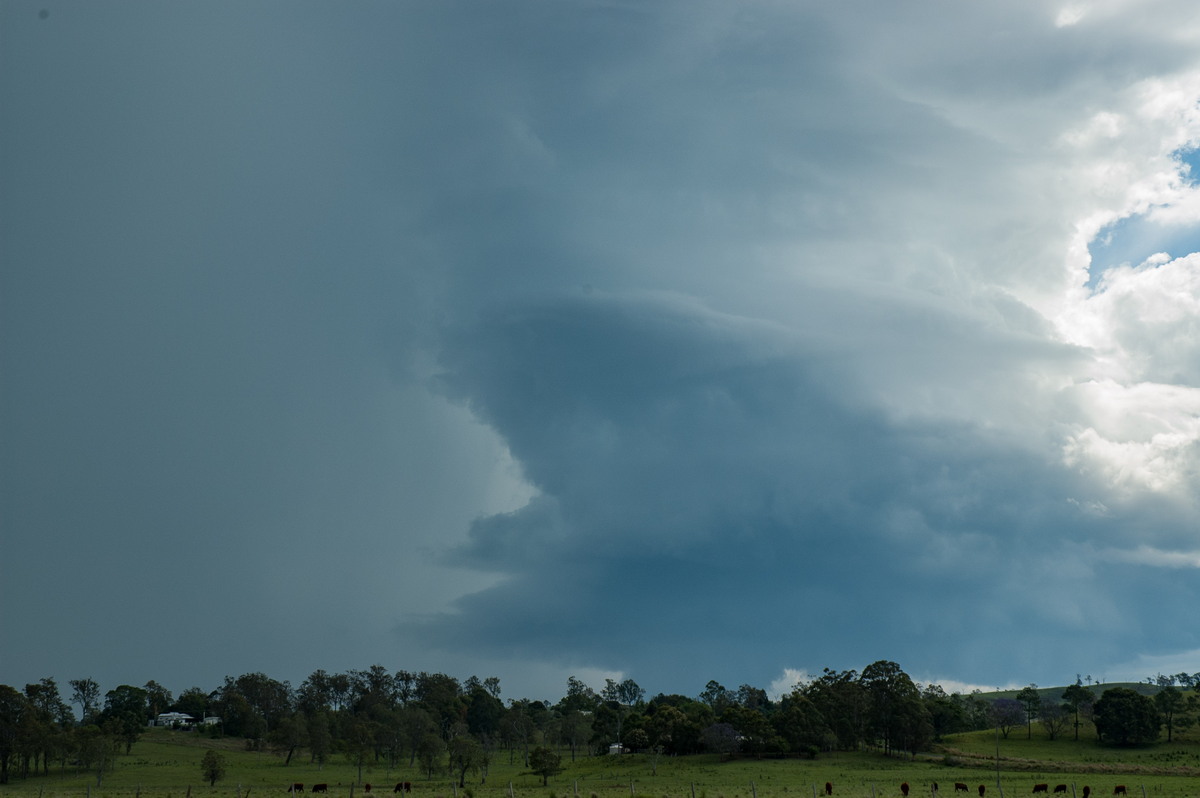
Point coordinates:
pixel 403 786
pixel 1041 788
pixel 1060 788
pixel 1086 791
pixel 320 788
pixel 297 787
pixel 982 790
pixel 829 788
pixel 366 788
pixel 904 789
pixel 1120 790
pixel 960 787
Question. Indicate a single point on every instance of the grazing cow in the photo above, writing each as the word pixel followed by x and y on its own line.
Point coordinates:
pixel 403 786
pixel 320 788
pixel 1086 791
pixel 982 790
pixel 904 789
pixel 933 787
pixel 1041 787
pixel 297 787
pixel 1119 790
pixel 960 787
pixel 1060 788
pixel 366 788
pixel 829 788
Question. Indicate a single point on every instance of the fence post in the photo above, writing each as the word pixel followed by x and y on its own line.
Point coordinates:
pixel 693 789
pixel 510 792
pixel 753 790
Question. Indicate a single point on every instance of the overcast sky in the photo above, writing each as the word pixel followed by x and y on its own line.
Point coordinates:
pixel 665 340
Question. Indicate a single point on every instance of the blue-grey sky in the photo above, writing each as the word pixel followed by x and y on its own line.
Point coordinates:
pixel 674 341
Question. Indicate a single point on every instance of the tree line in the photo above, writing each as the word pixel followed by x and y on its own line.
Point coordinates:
pixel 431 722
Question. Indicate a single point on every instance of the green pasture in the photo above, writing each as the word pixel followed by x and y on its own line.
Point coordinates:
pixel 165 764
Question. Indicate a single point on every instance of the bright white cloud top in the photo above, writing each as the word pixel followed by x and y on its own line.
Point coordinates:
pixel 681 341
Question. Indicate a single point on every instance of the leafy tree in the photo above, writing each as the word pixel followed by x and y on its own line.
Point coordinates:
pixel 13 707
pixel 358 742
pixel 841 699
pixel 430 751
pixel 576 728
pixel 290 734
pixel 1078 698
pixel 636 739
pixel 158 698
pixel 721 738
pixel 800 725
pixel 85 693
pixel 1171 704
pixel 621 696
pixel 544 763
pixel 192 701
pixel 440 696
pixel 716 696
pixel 320 738
pixel 946 713
pixel 212 766
pixel 1031 700
pixel 49 721
pixel 1054 718
pixel 125 711
pixel 484 713
pixel 754 698
pixel 1006 714
pixel 466 755
pixel 96 748
pixel 755 732
pixel 896 714
pixel 579 697
pixel 1124 716
pixel 253 703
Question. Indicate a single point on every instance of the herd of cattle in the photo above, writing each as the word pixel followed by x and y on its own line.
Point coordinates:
pixel 401 786
pixel 959 786
pixel 406 786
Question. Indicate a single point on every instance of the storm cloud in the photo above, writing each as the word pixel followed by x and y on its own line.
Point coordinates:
pixel 676 341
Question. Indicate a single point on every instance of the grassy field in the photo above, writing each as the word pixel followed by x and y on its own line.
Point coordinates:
pixel 166 764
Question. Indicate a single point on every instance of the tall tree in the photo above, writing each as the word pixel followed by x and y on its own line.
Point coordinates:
pixel 13 707
pixel 125 712
pixel 466 755
pixel 1171 704
pixel 1124 716
pixel 841 699
pixel 1078 698
pixel 1031 700
pixel 544 763
pixel 579 697
pixel 51 719
pixel 716 696
pixel 1006 714
pixel 897 716
pixel 1054 717
pixel 800 724
pixel 212 767
pixel 158 698
pixel 85 693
